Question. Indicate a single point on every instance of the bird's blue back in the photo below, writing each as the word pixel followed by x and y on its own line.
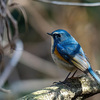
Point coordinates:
pixel 67 45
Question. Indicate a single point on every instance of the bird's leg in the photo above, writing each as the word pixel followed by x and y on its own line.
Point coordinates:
pixel 63 82
pixel 74 74
pixel 66 78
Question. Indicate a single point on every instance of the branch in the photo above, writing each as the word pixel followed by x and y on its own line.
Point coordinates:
pixel 78 88
pixel 70 3
pixel 5 90
pixel 37 63
pixel 13 62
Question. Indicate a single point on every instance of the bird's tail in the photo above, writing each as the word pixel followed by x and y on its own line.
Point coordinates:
pixel 94 75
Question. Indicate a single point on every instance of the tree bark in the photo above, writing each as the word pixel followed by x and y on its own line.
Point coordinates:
pixel 78 88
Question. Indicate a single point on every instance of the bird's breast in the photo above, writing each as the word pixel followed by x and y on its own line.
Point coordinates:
pixel 60 61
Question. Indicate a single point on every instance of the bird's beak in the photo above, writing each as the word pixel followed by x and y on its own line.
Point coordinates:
pixel 50 34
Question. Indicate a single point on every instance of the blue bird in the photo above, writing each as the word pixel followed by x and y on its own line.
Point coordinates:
pixel 67 53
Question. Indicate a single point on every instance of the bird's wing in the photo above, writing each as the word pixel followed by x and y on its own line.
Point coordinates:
pixel 74 54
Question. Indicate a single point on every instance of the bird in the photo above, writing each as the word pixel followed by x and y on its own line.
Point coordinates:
pixel 68 54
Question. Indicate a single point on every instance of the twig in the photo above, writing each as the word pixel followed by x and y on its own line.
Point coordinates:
pixel 5 90
pixel 3 6
pixel 78 88
pixel 4 14
pixel 18 6
pixel 70 3
pixel 8 31
pixel 14 60
pixel 14 22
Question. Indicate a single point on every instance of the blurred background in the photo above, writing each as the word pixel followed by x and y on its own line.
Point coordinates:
pixel 36 68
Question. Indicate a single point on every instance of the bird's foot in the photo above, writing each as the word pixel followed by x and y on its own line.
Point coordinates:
pixel 59 83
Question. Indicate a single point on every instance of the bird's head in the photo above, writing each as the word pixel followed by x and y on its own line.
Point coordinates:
pixel 60 35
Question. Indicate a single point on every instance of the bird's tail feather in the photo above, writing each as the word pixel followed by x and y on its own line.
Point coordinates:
pixel 94 75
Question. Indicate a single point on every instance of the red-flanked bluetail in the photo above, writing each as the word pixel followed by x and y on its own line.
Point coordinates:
pixel 67 53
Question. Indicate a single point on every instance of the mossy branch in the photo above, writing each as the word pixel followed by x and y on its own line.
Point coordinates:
pixel 78 88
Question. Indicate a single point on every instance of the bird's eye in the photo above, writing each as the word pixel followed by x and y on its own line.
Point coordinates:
pixel 58 35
